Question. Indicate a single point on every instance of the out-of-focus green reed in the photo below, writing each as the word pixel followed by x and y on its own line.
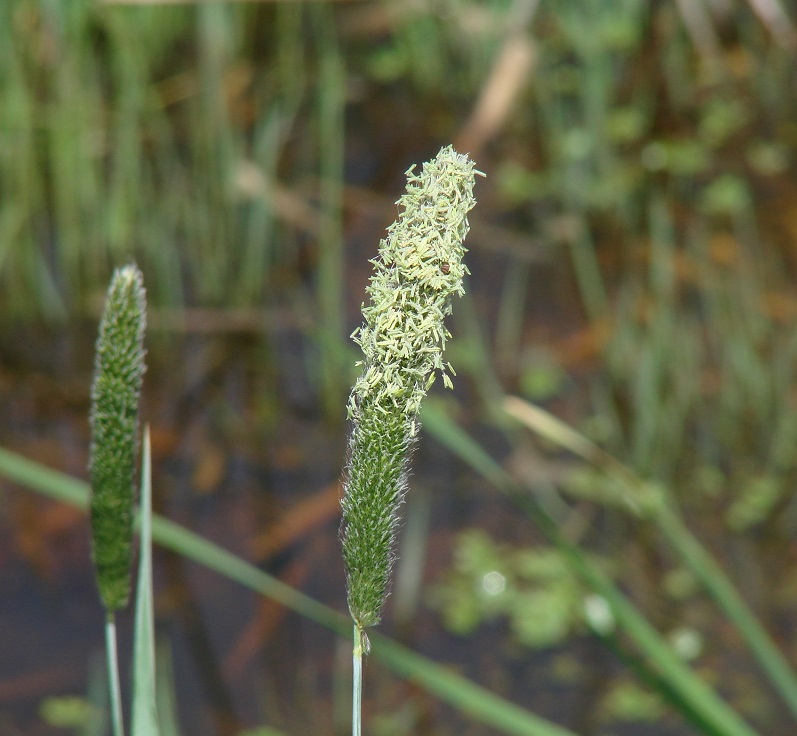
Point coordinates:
pixel 167 133
pixel 152 132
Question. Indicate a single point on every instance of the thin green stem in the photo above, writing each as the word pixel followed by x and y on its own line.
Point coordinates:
pixel 113 674
pixel 357 682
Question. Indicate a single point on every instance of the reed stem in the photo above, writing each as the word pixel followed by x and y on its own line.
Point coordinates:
pixel 112 655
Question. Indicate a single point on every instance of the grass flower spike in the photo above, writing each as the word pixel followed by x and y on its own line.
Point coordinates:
pixel 118 373
pixel 418 270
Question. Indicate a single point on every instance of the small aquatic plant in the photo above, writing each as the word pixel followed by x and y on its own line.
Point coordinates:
pixel 417 271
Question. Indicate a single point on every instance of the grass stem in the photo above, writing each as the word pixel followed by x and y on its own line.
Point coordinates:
pixel 357 681
pixel 113 674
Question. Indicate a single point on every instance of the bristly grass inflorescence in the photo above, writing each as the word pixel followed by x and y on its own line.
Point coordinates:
pixel 418 270
pixel 118 374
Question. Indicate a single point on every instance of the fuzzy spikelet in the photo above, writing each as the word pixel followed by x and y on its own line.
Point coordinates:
pixel 418 270
pixel 118 373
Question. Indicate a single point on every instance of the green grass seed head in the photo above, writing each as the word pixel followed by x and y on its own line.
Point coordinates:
pixel 118 372
pixel 418 270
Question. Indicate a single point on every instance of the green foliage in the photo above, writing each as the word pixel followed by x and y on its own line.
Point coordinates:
pixel 417 272
pixel 118 374
pixel 627 701
pixel 541 378
pixel 755 503
pixel 67 712
pixel 532 588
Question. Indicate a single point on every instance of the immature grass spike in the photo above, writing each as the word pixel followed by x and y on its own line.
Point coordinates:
pixel 418 270
pixel 118 373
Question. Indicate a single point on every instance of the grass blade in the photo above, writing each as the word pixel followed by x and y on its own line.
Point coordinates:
pixel 144 710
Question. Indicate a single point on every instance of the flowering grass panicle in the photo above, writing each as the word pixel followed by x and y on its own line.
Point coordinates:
pixel 118 373
pixel 417 271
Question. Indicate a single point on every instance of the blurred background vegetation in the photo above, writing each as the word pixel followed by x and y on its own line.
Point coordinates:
pixel 633 258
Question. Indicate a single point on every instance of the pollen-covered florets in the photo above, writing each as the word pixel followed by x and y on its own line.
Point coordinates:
pixel 418 270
